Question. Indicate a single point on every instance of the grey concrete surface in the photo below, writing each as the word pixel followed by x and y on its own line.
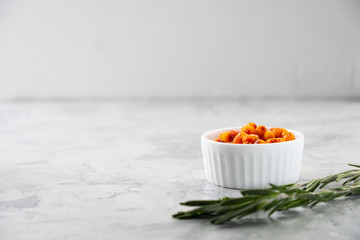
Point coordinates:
pixel 118 169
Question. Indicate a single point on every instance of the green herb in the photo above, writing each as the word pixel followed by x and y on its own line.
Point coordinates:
pixel 273 199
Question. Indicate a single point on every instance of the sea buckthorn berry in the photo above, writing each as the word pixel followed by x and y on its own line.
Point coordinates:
pixel 268 134
pixel 274 140
pixel 248 129
pixel 277 131
pixel 252 124
pixel 260 130
pixel 219 138
pixel 260 141
pixel 233 133
pixel 238 138
pixel 284 133
pixel 251 133
pixel 226 137
pixel 289 136
pixel 243 134
pixel 249 139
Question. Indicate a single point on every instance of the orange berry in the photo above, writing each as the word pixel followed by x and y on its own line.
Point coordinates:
pixel 248 129
pixel 278 131
pixel 233 133
pixel 237 138
pixel 249 139
pixel 274 140
pixel 260 141
pixel 260 130
pixel 226 137
pixel 252 124
pixel 268 134
pixel 284 133
pixel 289 136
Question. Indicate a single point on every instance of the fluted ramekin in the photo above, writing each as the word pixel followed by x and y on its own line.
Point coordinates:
pixel 245 166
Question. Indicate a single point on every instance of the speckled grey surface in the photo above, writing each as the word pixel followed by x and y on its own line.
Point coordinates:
pixel 117 170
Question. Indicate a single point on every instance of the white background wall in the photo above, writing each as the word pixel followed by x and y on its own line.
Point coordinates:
pixel 179 48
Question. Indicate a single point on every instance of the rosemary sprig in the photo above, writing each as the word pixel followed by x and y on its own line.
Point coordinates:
pixel 273 199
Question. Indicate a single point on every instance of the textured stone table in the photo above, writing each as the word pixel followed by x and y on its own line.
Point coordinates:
pixel 118 169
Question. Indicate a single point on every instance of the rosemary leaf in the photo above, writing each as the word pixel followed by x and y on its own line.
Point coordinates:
pixel 273 199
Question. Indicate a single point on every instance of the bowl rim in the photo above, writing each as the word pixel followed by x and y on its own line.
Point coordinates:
pixel 301 137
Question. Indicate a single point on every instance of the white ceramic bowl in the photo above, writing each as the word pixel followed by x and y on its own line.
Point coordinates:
pixel 245 166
